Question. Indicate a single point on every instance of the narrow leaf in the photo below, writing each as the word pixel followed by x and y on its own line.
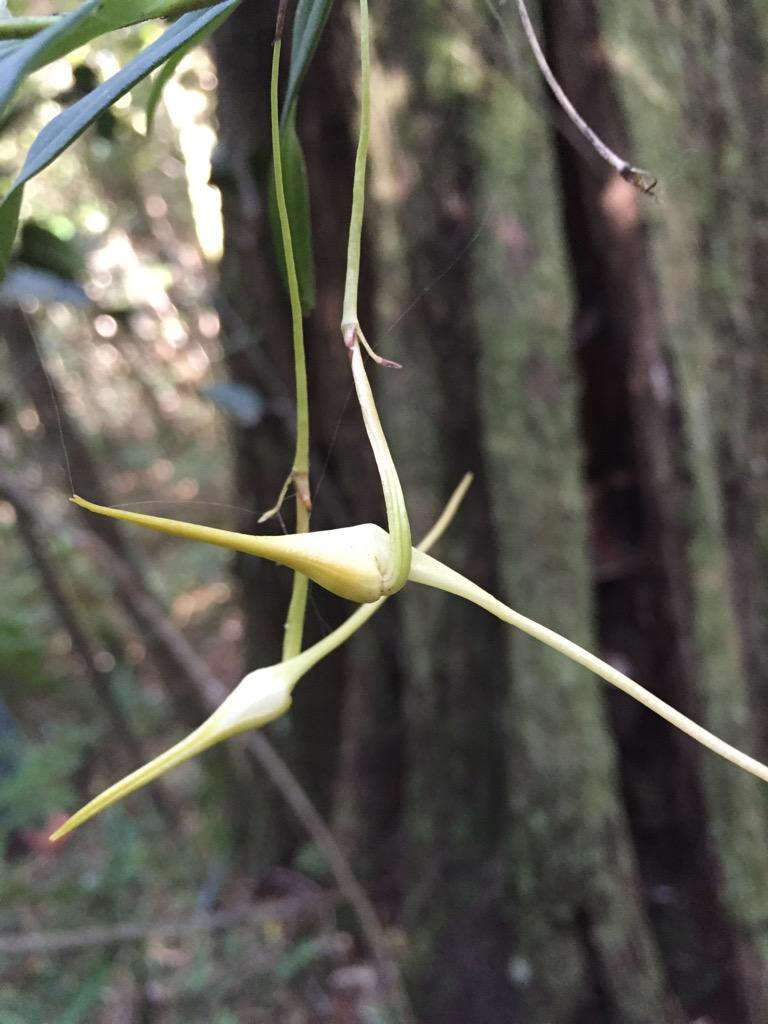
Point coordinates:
pixel 159 82
pixel 9 221
pixel 167 71
pixel 72 122
pixel 296 185
pixel 308 24
pixel 93 18
pixel 23 58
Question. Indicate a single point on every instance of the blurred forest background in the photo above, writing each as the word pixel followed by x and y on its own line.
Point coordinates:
pixel 538 850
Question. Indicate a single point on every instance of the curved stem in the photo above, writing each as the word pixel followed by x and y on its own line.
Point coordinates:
pixel 396 574
pixel 349 311
pixel 294 623
pixel 398 526
pixel 642 180
pixel 432 573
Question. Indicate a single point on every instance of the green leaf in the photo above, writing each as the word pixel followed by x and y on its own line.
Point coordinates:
pixel 9 221
pixel 93 18
pixel 161 79
pixel 72 122
pixel 297 202
pixel 23 58
pixel 308 24
pixel 167 71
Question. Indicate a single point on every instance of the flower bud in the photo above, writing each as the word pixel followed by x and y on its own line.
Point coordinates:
pixel 353 562
pixel 259 698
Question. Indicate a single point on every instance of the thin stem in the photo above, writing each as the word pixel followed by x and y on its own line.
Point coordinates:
pixel 446 517
pixel 294 623
pixel 397 517
pixel 398 526
pixel 297 606
pixel 432 573
pixel 351 285
pixel 643 180
pixel 301 458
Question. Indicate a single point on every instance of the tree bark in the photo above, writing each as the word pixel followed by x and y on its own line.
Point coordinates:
pixel 575 899
pixel 655 525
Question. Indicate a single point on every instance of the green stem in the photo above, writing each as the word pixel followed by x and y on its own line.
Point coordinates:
pixel 349 311
pixel 398 526
pixel 396 574
pixel 297 607
pixel 430 572
pixel 294 623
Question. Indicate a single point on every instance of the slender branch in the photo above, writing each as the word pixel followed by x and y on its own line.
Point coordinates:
pixel 32 534
pixel 23 28
pixel 288 909
pixel 642 180
pixel 352 891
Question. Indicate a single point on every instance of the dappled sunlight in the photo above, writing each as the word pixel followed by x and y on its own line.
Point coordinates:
pixel 188 110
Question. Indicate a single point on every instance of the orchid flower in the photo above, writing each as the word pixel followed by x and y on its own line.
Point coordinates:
pixel 351 563
pixel 355 562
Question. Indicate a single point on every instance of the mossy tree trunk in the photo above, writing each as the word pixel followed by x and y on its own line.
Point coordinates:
pixel 582 946
pixel 456 657
pixel 530 909
pixel 546 879
pixel 723 104
pixel 661 564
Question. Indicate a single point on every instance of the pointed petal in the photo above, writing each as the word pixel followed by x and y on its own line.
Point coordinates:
pixel 351 562
pixel 260 697
pixel 195 743
pixel 427 570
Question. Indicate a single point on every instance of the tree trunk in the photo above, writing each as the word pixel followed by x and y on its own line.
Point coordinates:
pixel 583 949
pixel 456 655
pixel 558 915
pixel 659 567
